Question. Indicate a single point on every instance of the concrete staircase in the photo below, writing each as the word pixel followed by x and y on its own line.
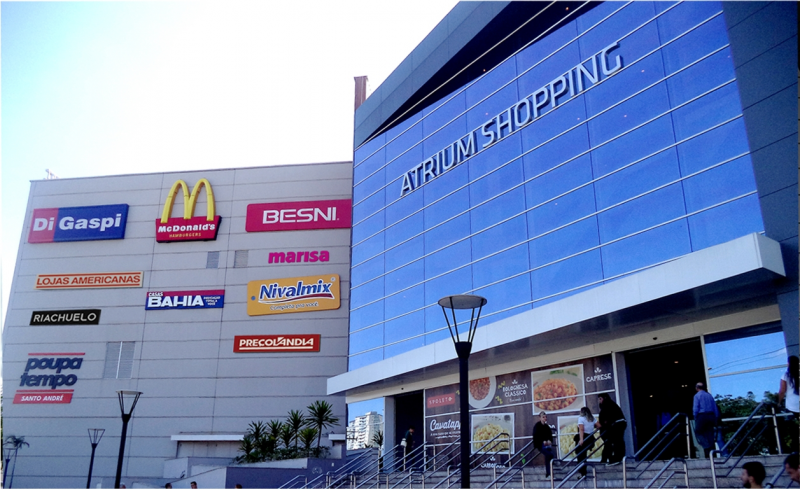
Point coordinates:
pixel 607 476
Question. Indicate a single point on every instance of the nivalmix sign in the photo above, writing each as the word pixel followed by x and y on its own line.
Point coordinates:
pixel 167 300
pixel 78 223
pixel 522 113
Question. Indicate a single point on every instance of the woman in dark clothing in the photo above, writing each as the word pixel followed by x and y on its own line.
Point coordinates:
pixel 612 422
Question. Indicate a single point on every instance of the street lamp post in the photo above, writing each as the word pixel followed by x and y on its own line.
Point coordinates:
pixel 463 350
pixel 94 437
pixel 127 402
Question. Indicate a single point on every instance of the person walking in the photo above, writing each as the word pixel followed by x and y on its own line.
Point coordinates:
pixel 585 438
pixel 543 441
pixel 408 444
pixel 612 424
pixel 788 391
pixel 706 414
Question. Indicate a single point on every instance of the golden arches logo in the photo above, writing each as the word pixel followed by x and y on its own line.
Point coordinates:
pixel 189 200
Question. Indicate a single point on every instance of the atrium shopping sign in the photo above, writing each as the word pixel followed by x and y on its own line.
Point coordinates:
pixel 518 115
pixel 293 295
pixel 189 228
pixel 78 223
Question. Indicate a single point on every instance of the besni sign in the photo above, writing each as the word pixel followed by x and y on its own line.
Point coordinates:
pixel 168 300
pixel 293 295
pixel 301 215
pixel 66 317
pixel 276 343
pixel 78 223
pixel 188 228
pixel 93 280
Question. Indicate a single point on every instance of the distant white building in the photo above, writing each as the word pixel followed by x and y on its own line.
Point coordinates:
pixel 362 429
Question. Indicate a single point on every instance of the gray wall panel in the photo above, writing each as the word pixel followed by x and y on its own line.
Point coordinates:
pixel 169 369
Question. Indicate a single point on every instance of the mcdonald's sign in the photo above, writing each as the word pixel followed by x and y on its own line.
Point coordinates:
pixel 188 228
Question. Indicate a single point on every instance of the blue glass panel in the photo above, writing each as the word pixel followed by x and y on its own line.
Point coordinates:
pixel 491 107
pixel 567 241
pixel 406 276
pixel 635 145
pixel 366 271
pixel 719 184
pixel 447 233
pixel 629 114
pixel 575 205
pixel 405 327
pixel 367 293
pixel 633 15
pixel 637 179
pixel 448 259
pixel 496 317
pixel 701 77
pixel 364 359
pixel 544 47
pixel 494 156
pixel 369 206
pixel 713 147
pixel 446 208
pixel 498 209
pixel 644 212
pixel 369 186
pixel 398 167
pixel 434 320
pixel 727 222
pixel 544 73
pixel 624 83
pixel 501 236
pixel 556 152
pixel 555 122
pixel 366 316
pixel 500 266
pixel 444 137
pixel 685 16
pixel 449 181
pixel 404 253
pixel 714 108
pixel 404 230
pixel 368 148
pixel 558 181
pixel 402 137
pixel 695 44
pixel 597 14
pixel 368 249
pixel 395 349
pixel 408 300
pixel 403 207
pixel 456 282
pixel 566 274
pixel 366 339
pixel 368 227
pixel 560 296
pixel 491 81
pixel 662 6
pixel 513 292
pixel 369 166
pixel 651 247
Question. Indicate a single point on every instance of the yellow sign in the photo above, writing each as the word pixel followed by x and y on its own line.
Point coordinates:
pixel 293 295
pixel 188 228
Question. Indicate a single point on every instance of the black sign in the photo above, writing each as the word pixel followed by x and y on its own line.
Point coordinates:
pixel 66 317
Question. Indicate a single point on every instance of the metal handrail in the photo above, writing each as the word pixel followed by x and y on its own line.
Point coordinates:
pixel 594 477
pixel 731 452
pixel 474 456
pixel 666 466
pixel 513 468
pixel 410 476
pixel 290 483
pixel 662 434
pixel 357 466
pixel 378 465
pixel 449 453
pixel 478 454
pixel 583 463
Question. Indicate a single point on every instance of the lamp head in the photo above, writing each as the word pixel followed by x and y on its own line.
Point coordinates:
pixel 95 435
pixel 462 302
pixel 127 401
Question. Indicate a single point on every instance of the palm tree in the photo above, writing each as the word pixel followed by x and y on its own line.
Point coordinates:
pixel 14 443
pixel 307 437
pixel 377 439
pixel 295 421
pixel 320 416
pixel 286 436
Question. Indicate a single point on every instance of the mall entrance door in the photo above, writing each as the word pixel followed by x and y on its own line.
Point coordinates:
pixel 662 383
pixel 409 411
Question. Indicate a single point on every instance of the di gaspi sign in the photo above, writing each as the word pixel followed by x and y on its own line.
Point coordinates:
pixel 293 295
pixel 189 228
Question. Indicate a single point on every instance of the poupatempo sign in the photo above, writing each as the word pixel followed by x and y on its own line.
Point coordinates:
pixel 293 295
pixel 49 362
pixel 189 228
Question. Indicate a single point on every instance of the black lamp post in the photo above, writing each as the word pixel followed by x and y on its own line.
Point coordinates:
pixel 127 402
pixel 94 437
pixel 463 349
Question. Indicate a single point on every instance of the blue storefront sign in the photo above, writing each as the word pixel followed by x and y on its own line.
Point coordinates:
pixel 78 223
pixel 169 300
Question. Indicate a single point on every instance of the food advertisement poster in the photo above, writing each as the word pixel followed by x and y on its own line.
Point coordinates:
pixel 511 403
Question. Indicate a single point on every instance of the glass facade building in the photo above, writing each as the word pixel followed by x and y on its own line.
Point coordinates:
pixel 611 143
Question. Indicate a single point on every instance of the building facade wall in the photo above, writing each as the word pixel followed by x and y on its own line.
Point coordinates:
pixel 183 359
pixel 646 164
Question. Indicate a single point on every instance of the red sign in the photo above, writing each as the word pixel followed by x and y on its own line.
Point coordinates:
pixel 300 215
pixel 94 280
pixel 442 400
pixel 276 343
pixel 43 396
